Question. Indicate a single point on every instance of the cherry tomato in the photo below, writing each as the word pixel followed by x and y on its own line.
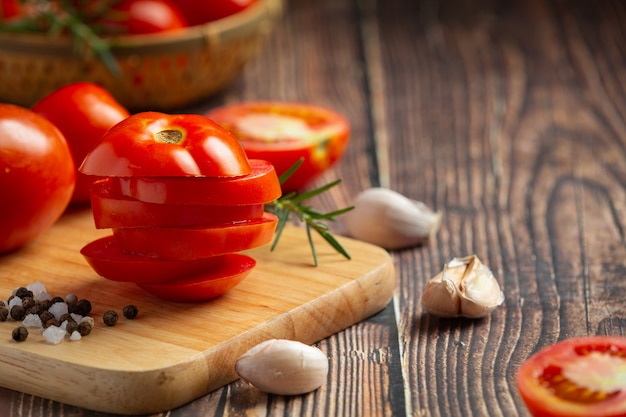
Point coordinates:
pixel 83 112
pixel 198 12
pixel 283 133
pixel 10 9
pixel 211 284
pixel 261 186
pixel 137 17
pixel 578 377
pixel 37 175
pixel 152 144
pixel 111 262
pixel 115 210
pixel 196 242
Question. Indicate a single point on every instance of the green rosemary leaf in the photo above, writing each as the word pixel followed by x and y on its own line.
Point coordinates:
pixel 283 216
pixel 285 175
pixel 313 251
pixel 335 244
pixel 315 192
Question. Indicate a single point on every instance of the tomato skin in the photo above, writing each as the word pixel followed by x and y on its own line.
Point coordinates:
pixel 152 144
pixel 37 175
pixel 198 12
pixel 139 17
pixel 83 112
pixel 261 186
pixel 284 132
pixel 115 210
pixel 196 242
pixel 209 285
pixel 544 399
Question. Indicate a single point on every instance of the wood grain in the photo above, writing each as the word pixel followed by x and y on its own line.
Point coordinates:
pixel 507 115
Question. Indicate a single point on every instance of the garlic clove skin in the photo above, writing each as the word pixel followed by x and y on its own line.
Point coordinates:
pixel 390 220
pixel 471 290
pixel 283 367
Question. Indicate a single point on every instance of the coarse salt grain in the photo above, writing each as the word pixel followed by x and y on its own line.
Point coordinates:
pixel 15 301
pixel 54 334
pixel 32 320
pixel 75 336
pixel 39 291
pixel 77 317
pixel 58 309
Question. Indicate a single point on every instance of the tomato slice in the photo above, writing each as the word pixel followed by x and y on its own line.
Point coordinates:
pixel 115 210
pixel 111 262
pixel 195 242
pixel 152 144
pixel 578 377
pixel 261 186
pixel 206 286
pixel 284 132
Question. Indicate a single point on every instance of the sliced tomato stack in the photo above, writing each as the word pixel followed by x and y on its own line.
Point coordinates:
pixel 182 199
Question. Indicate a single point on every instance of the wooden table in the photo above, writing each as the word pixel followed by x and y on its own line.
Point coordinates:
pixel 508 116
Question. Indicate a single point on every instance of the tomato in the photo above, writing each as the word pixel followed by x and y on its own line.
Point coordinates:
pixel 211 284
pixel 198 12
pixel 111 262
pixel 83 112
pixel 137 17
pixel 36 175
pixel 10 9
pixel 282 133
pixel 152 144
pixel 261 186
pixel 578 377
pixel 196 242
pixel 115 210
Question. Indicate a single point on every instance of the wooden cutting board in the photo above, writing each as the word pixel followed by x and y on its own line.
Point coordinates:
pixel 173 353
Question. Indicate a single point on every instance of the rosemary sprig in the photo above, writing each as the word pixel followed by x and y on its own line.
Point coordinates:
pixel 291 204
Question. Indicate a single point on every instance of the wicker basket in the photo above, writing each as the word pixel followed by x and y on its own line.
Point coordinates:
pixel 159 72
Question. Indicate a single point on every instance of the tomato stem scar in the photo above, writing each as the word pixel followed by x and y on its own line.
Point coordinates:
pixel 172 136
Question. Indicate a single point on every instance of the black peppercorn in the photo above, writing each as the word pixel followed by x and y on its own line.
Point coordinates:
pixel 57 299
pixel 81 307
pixel 130 311
pixel 50 322
pixel 45 304
pixel 18 313
pixel 110 318
pixel 71 326
pixel 71 299
pixel 20 334
pixel 4 313
pixel 23 292
pixel 84 328
pixel 45 316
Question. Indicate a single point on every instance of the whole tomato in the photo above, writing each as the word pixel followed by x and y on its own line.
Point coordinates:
pixel 578 377
pixel 83 112
pixel 285 132
pixel 198 12
pixel 137 17
pixel 37 176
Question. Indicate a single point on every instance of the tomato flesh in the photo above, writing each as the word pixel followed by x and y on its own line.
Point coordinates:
pixel 83 112
pixel 137 17
pixel 578 377
pixel 152 144
pixel 261 186
pixel 198 12
pixel 111 210
pixel 202 287
pixel 196 242
pixel 111 262
pixel 283 133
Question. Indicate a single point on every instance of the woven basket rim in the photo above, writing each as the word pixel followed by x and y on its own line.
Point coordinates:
pixel 214 33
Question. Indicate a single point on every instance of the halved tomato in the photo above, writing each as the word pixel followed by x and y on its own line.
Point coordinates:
pixel 285 132
pixel 115 210
pixel 111 262
pixel 205 286
pixel 196 242
pixel 152 144
pixel 579 377
pixel 261 186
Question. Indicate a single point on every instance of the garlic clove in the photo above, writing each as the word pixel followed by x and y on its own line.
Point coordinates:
pixel 389 219
pixel 476 290
pixel 283 367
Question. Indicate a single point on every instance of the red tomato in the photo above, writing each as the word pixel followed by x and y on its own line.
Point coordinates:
pixel 152 144
pixel 196 242
pixel 198 12
pixel 115 210
pixel 36 175
pixel 203 287
pixel 283 133
pixel 578 377
pixel 111 262
pixel 83 112
pixel 137 17
pixel 261 186
pixel 10 9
